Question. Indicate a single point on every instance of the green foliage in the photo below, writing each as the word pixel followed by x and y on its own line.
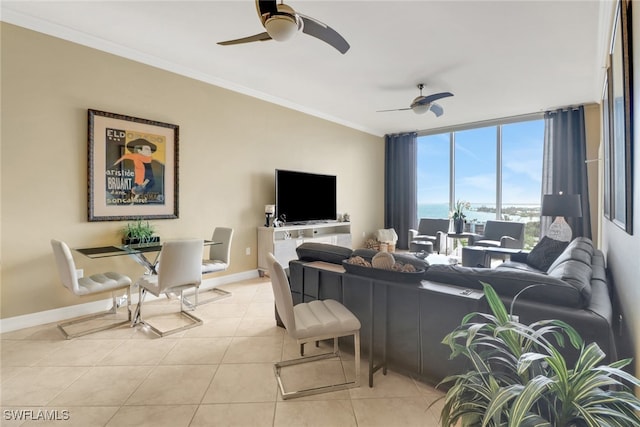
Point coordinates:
pixel 531 234
pixel 458 212
pixel 142 231
pixel 519 378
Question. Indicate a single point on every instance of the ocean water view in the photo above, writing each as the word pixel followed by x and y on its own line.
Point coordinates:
pixel 481 212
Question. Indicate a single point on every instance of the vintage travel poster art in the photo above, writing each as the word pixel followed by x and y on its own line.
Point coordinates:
pixel 132 168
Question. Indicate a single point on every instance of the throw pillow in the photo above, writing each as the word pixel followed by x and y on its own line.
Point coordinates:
pixel 545 252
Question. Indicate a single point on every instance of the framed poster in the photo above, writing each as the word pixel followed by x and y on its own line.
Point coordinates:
pixel 133 168
pixel 621 110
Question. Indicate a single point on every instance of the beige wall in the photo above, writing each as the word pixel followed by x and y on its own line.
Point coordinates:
pixel 230 145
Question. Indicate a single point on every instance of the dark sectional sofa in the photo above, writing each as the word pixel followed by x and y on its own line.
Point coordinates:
pixel 405 316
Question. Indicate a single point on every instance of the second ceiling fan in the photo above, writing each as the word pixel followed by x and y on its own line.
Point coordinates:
pixel 281 22
pixel 422 104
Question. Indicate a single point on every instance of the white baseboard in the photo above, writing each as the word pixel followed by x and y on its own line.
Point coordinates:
pixel 59 314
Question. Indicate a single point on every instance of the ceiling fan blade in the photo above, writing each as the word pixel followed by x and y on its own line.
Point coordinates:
pixel 323 32
pixel 257 38
pixel 395 109
pixel 430 98
pixel 436 109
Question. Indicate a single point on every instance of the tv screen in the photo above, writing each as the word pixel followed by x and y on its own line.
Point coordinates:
pixel 303 197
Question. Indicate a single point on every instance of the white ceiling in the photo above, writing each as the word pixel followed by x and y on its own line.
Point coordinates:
pixel 499 58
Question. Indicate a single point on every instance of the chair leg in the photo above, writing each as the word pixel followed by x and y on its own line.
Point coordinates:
pixel 326 388
pixel 195 321
pixel 113 310
pixel 221 294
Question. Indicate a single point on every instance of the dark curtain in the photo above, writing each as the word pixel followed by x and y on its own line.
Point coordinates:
pixel 400 192
pixel 563 167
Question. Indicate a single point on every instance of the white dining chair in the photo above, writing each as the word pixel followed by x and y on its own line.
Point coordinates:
pixel 311 322
pixel 179 269
pixel 219 260
pixel 83 286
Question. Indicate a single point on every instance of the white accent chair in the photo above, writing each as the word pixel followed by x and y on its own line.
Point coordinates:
pixel 97 283
pixel 311 322
pixel 180 268
pixel 219 260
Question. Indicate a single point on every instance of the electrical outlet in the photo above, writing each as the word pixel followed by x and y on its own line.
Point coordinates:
pixel 80 273
pixel 247 251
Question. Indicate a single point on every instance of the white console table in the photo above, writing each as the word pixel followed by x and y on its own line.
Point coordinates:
pixel 283 241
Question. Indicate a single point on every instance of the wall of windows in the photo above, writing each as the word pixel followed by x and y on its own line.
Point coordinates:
pixel 496 168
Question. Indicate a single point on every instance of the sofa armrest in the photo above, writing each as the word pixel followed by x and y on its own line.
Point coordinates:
pixel 509 242
pixel 412 234
pixel 520 257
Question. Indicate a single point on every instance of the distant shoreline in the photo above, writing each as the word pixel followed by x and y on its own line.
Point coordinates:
pixel 482 212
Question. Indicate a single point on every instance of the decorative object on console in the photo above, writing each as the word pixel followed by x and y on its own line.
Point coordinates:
pixel 268 211
pixel 384 266
pixel 383 260
pixel 458 215
pixel 561 206
pixel 387 238
pixel 139 232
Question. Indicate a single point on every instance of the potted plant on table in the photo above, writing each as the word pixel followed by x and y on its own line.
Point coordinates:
pixel 519 378
pixel 458 215
pixel 138 231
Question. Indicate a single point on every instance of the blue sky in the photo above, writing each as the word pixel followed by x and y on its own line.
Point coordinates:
pixel 475 155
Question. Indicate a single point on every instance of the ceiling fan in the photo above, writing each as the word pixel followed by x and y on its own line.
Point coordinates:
pixel 422 104
pixel 282 22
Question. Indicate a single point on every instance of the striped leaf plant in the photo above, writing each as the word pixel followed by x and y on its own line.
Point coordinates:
pixel 517 376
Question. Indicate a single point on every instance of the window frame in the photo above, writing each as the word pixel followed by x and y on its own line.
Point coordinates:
pixel 498 123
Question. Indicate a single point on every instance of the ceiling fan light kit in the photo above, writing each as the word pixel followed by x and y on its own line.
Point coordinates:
pixel 281 27
pixel 420 108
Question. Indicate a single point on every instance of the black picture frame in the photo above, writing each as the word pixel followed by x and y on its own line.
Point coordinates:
pixel 606 141
pixel 133 168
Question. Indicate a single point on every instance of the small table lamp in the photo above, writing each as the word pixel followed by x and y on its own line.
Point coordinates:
pixel 561 206
pixel 268 211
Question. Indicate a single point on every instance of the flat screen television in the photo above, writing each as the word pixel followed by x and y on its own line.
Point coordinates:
pixel 303 197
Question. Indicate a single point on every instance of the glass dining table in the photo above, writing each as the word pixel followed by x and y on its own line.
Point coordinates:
pixel 139 253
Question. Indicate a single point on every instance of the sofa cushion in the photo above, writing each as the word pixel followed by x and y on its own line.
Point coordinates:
pixel 322 252
pixel 523 266
pixel 576 274
pixel 545 252
pixel 580 249
pixel 509 281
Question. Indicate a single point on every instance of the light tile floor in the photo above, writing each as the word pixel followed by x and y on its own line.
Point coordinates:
pixel 217 374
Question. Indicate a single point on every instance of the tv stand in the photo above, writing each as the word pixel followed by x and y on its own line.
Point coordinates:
pixel 283 241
